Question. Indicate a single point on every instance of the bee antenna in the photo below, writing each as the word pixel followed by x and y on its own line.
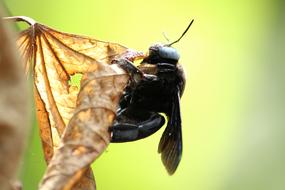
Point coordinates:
pixel 165 36
pixel 182 34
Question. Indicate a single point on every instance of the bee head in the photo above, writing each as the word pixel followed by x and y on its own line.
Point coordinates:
pixel 159 53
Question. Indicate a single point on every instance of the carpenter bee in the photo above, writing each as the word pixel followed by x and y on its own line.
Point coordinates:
pixel 156 87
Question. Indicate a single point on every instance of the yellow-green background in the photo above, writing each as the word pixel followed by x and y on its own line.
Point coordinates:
pixel 233 107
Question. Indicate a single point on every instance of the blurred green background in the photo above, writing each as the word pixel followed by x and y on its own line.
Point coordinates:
pixel 233 108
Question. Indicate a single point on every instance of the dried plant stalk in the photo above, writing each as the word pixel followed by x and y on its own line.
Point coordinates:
pixel 13 109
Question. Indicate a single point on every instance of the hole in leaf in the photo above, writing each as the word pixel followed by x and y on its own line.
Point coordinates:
pixel 75 80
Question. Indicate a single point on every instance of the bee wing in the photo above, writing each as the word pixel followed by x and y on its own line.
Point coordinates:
pixel 170 145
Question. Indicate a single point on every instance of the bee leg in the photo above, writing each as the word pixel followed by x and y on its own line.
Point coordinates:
pixel 136 75
pixel 125 132
pixel 133 71
pixel 166 67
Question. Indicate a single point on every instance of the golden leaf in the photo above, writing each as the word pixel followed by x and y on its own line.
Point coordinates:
pixel 56 57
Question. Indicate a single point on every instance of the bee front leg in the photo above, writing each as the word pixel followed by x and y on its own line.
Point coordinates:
pixel 125 132
pixel 135 74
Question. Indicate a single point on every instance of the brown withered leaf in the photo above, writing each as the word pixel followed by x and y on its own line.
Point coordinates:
pixel 54 57
pixel 86 135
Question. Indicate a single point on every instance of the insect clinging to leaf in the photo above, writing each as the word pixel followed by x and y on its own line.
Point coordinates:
pixel 155 86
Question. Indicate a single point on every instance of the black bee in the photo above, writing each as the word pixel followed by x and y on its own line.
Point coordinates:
pixel 156 86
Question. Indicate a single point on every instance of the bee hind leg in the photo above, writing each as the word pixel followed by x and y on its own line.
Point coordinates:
pixel 125 132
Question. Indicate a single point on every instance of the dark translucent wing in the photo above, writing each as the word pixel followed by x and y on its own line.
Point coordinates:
pixel 170 145
pixel 54 56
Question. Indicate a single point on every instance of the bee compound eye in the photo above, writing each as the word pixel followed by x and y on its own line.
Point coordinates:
pixel 168 53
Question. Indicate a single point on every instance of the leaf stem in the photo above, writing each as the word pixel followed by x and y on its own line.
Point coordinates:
pixel 25 19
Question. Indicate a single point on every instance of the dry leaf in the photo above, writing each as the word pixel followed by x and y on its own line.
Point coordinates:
pixel 87 135
pixel 54 57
